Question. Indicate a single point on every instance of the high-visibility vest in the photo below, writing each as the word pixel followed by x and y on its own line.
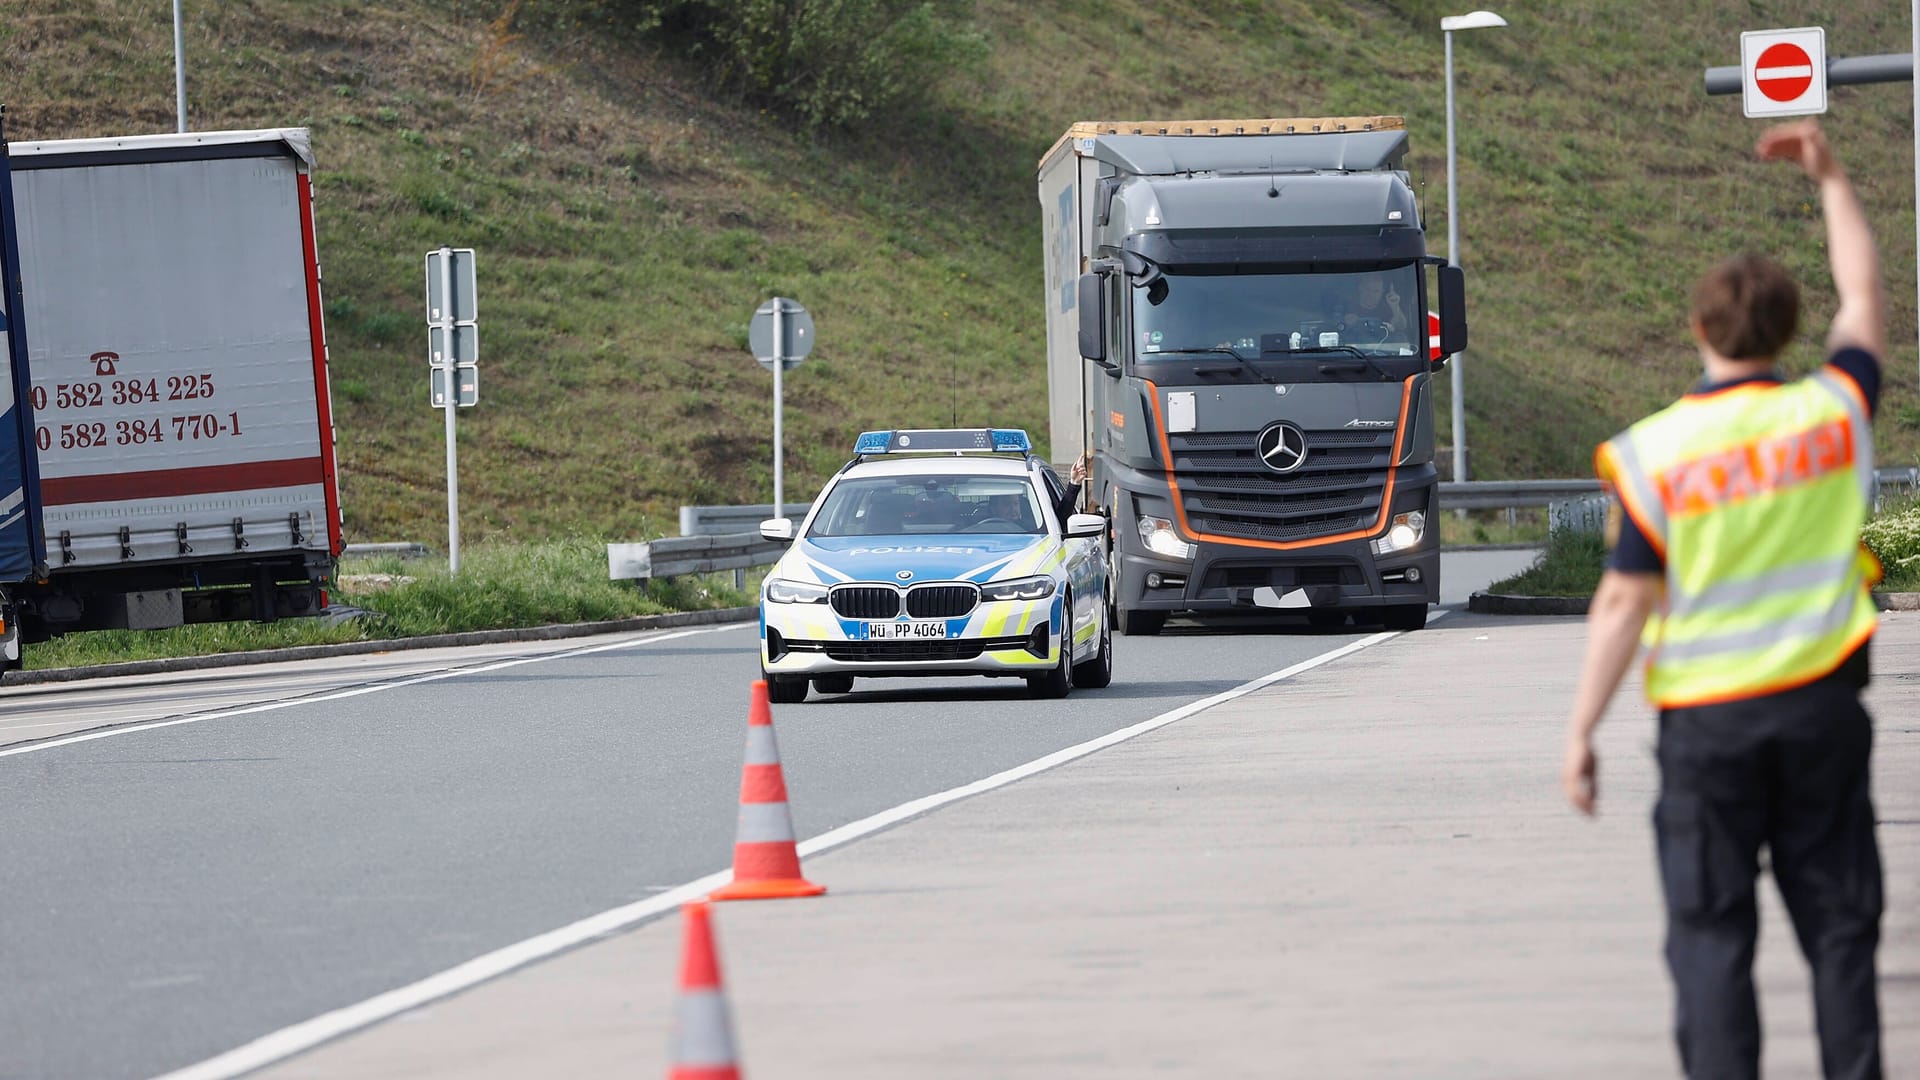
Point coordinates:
pixel 1754 495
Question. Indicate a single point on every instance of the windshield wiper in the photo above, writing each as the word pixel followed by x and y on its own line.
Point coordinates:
pixel 1328 369
pixel 1244 364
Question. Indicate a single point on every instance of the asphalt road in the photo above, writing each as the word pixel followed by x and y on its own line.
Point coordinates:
pixel 175 891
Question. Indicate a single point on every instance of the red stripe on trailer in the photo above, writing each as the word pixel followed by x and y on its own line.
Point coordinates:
pixel 322 388
pixel 170 483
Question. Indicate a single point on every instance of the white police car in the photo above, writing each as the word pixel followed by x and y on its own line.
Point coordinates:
pixel 951 552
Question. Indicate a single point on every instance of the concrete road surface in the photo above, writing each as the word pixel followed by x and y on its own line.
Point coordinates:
pixel 336 832
pixel 1349 873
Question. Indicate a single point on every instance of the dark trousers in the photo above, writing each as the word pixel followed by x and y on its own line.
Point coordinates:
pixel 1788 771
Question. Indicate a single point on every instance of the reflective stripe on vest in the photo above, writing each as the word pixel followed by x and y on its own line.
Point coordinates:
pixel 1754 497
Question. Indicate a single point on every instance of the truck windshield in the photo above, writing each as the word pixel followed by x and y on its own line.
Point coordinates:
pixel 1275 319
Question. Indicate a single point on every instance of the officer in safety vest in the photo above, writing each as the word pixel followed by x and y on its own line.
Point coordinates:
pixel 1738 564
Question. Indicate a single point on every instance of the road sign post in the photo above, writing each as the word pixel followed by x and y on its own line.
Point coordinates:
pixel 453 354
pixel 1840 71
pixel 780 335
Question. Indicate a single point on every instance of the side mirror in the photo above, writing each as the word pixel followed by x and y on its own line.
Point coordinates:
pixel 1086 525
pixel 779 530
pixel 1453 310
pixel 1093 318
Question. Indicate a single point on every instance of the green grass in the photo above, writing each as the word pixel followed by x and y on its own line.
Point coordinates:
pixel 499 586
pixel 1894 536
pixel 628 219
pixel 1570 565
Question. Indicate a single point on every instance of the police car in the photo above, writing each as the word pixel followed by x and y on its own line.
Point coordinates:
pixel 948 552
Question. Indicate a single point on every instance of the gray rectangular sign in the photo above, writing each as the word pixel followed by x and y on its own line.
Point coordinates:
pixel 468 384
pixel 465 304
pixel 464 350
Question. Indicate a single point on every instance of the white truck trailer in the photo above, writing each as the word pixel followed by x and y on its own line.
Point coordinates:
pixel 178 430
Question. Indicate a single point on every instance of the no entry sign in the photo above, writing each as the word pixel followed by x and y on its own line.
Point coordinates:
pixel 1784 72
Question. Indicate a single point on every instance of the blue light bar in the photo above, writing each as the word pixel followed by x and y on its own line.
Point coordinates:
pixel 944 441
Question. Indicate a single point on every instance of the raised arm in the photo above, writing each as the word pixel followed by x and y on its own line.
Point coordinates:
pixel 1862 318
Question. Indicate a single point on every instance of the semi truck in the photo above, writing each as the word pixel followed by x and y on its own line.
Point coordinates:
pixel 166 432
pixel 1240 357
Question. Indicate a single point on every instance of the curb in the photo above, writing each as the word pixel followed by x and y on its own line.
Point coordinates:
pixel 353 648
pixel 1498 604
pixel 1482 603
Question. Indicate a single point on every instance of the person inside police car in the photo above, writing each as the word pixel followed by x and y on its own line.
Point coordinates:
pixel 1739 554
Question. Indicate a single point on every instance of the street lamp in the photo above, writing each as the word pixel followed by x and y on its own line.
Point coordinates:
pixel 1476 20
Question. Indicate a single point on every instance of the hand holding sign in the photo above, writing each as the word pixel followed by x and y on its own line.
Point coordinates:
pixel 1801 142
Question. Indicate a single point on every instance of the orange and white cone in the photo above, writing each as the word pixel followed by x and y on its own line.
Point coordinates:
pixel 766 861
pixel 702 1029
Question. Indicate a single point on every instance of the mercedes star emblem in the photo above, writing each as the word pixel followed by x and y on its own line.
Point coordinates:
pixel 1282 447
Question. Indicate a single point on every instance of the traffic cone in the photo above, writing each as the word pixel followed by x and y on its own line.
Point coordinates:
pixel 766 863
pixel 702 1028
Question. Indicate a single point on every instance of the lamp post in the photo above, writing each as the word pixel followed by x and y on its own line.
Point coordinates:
pixel 179 68
pixel 1476 20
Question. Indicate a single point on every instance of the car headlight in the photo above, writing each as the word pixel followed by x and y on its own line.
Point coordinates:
pixel 1405 532
pixel 782 591
pixel 1026 588
pixel 1158 535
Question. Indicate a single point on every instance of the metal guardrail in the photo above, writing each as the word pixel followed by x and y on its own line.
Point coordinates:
pixel 1500 494
pixel 675 556
pixel 403 550
pixel 718 520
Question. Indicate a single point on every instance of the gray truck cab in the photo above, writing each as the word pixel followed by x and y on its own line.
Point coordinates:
pixel 1253 364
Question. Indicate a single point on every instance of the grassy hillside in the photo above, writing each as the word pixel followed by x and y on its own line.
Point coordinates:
pixel 628 220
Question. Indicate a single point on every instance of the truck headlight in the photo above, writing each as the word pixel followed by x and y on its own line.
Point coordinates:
pixel 1158 535
pixel 782 591
pixel 1026 588
pixel 1405 532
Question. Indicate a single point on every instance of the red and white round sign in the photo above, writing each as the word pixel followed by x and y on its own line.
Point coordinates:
pixel 1783 72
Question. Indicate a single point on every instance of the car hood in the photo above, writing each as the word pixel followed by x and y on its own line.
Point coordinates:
pixel 968 557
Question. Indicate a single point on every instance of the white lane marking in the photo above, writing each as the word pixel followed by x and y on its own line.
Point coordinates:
pixel 338 695
pixel 297 1038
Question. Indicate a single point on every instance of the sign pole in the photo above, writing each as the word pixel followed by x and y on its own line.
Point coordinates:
pixel 450 311
pixel 179 67
pixel 780 363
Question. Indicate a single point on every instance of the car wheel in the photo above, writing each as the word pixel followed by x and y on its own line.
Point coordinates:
pixel 1134 622
pixel 833 684
pixel 1405 617
pixel 784 690
pixel 1098 671
pixel 1057 683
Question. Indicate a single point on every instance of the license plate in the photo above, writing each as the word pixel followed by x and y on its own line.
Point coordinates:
pixel 889 631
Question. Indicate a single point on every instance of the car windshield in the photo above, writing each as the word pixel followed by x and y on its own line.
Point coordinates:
pixel 929 506
pixel 1271 316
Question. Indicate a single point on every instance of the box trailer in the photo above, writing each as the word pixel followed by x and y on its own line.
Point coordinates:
pixel 171 448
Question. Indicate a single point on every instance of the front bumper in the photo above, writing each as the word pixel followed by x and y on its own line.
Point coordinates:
pixel 1007 638
pixel 1341 575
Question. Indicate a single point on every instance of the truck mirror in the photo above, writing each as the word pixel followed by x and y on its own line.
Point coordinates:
pixel 1093 318
pixel 1453 310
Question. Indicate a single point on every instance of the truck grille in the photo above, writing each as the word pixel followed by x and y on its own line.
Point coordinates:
pixel 942 601
pixel 1227 491
pixel 865 601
